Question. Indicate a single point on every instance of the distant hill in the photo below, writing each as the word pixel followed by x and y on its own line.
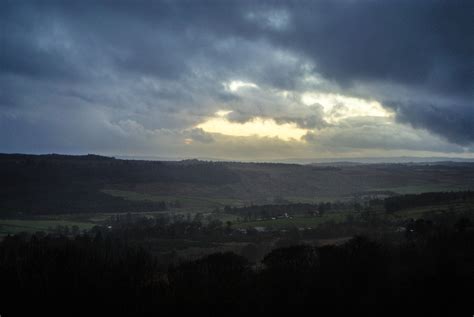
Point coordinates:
pixel 91 183
pixel 330 161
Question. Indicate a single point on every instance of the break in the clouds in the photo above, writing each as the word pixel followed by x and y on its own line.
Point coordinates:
pixel 237 79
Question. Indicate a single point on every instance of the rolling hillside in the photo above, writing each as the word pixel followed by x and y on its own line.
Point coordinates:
pixel 45 184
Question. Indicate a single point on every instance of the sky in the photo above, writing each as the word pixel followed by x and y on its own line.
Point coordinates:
pixel 238 80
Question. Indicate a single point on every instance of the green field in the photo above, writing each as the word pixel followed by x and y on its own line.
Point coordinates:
pixel 12 226
pixel 185 201
pixel 379 213
pixel 418 189
pixel 459 207
pixel 48 223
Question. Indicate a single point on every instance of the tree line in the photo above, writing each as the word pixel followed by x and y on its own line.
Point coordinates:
pixel 400 202
pixel 101 274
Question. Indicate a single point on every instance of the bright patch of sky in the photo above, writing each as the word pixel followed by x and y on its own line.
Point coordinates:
pixel 336 109
pixel 260 127
pixel 339 107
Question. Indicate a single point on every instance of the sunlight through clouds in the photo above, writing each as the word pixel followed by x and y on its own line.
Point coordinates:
pixel 260 127
pixel 338 107
pixel 279 79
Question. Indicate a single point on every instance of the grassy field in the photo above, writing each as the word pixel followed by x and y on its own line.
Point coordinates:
pixel 87 221
pixel 379 213
pixel 457 207
pixel 418 189
pixel 12 226
pixel 184 201
pixel 205 203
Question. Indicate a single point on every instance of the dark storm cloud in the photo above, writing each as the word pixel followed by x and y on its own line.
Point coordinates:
pixel 421 42
pixel 21 51
pixel 454 121
pixel 162 63
pixel 412 42
pixel 425 45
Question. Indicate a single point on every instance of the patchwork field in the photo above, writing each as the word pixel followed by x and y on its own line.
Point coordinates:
pixel 46 191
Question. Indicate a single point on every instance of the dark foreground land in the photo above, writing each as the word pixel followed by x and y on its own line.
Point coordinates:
pixel 428 275
pixel 94 235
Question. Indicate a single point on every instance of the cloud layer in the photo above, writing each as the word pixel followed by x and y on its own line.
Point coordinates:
pixel 142 77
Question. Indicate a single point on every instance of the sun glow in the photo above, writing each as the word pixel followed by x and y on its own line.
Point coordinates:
pixel 260 127
pixel 338 107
